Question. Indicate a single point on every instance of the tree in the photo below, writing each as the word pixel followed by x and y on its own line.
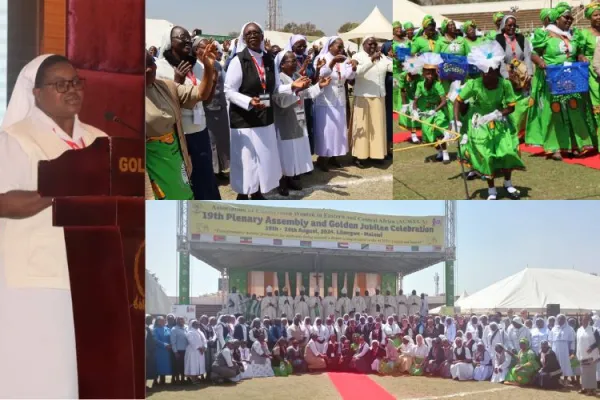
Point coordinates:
pixel 347 27
pixel 306 29
pixel 233 34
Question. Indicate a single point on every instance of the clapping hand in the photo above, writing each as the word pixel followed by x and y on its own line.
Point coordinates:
pixel 226 46
pixel 376 56
pixel 257 104
pixel 210 54
pixel 321 63
pixel 182 70
pixel 301 83
pixel 268 45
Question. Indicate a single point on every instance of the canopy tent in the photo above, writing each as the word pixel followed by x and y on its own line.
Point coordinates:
pixel 534 288
pixel 376 25
pixel 437 310
pixel 405 11
pixel 348 45
pixel 156 30
pixel 157 301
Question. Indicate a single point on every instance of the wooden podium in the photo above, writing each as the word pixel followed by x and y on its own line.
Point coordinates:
pixel 98 197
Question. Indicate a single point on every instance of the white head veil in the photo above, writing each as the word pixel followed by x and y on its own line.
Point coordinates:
pixel 165 43
pixel 241 45
pixel 506 18
pixel 364 39
pixel 22 101
pixel 295 39
pixel 325 50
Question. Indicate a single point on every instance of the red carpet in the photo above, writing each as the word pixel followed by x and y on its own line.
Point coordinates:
pixel 591 161
pixel 358 387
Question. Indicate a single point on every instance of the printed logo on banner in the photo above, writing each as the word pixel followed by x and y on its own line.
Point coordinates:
pixel 437 221
pixel 364 246
pixel 414 248
pixel 342 245
pixel 246 240
pixel 389 248
pixel 305 243
pixel 218 238
pixel 277 242
pixel 195 236
pixel 437 248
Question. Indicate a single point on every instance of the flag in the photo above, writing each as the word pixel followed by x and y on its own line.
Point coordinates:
pixel 437 248
pixel 305 243
pixel 195 236
pixel 414 248
pixel 389 248
pixel 342 245
pixel 277 242
pixel 364 246
pixel 246 240
pixel 218 238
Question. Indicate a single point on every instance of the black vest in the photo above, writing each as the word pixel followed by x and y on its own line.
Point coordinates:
pixel 520 40
pixel 460 357
pixel 240 118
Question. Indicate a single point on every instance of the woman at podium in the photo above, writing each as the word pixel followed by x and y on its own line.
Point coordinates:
pixel 41 123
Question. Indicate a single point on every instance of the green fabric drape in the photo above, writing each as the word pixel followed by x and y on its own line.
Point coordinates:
pixel 328 281
pixel 280 281
pixel 340 283
pixel 306 282
pixel 389 282
pixel 238 278
pixel 350 284
pixel 292 276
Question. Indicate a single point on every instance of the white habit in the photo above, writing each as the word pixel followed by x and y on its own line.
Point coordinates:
pixel 377 302
pixel 286 306
pixel 402 305
pixel 316 308
pixel 268 307
pixel 194 364
pixel 301 306
pixel 563 341
pixel 329 305
pixel 358 304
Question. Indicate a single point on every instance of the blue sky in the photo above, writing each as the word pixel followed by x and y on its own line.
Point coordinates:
pixel 224 16
pixel 494 239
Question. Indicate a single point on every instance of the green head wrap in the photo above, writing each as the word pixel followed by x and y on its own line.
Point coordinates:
pixel 408 25
pixel 427 20
pixel 590 8
pixel 397 24
pixel 545 13
pixel 467 25
pixel 498 16
pixel 558 11
pixel 524 341
pixel 444 26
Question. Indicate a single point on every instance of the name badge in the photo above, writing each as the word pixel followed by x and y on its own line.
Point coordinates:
pixel 332 355
pixel 265 99
pixel 300 115
pixel 199 118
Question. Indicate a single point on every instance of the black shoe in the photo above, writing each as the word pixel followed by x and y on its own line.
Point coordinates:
pixel 322 164
pixel 359 164
pixel 333 161
pixel 294 184
pixel 257 196
pixel 222 176
pixel 242 197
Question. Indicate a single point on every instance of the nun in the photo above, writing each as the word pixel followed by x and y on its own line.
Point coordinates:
pixel 176 63
pixel 251 82
pixel 331 136
pixel 369 139
pixel 291 124
pixel 41 123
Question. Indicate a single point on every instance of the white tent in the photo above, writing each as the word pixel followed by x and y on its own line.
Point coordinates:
pixel 534 288
pixel 405 11
pixel 376 24
pixel 157 301
pixel 463 296
pixel 156 30
pixel 281 39
pixel 348 45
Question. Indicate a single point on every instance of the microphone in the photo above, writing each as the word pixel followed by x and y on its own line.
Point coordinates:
pixel 112 117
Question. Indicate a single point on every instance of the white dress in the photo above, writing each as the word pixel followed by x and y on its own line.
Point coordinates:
pixel 260 366
pixel 462 370
pixel 331 135
pixel 286 308
pixel 255 161
pixel 294 154
pixel 484 371
pixel 301 306
pixel 502 366
pixel 53 351
pixel 563 340
pixel 194 363
pixel 328 306
pixel 402 302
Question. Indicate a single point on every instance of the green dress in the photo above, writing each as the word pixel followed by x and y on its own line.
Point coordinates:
pixel 587 43
pixel 529 367
pixel 408 83
pixel 457 47
pixel 491 149
pixel 397 72
pixel 413 370
pixel 166 169
pixel 562 122
pixel 429 99
pixel 469 44
pixel 422 45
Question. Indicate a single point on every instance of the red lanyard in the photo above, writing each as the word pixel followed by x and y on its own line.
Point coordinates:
pixel 192 78
pixel 513 45
pixel 339 71
pixel 261 73
pixel 70 143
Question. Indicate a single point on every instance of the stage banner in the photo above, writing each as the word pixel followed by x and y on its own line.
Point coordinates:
pixel 238 278
pixel 449 276
pixel 184 278
pixel 389 281
pixel 313 228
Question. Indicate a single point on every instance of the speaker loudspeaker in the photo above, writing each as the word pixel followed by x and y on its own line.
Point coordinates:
pixel 552 310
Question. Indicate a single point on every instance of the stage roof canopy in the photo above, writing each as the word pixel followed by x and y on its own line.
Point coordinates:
pixel 270 258
pixel 375 24
pixel 534 288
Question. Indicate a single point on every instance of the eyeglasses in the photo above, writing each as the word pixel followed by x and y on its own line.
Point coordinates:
pixel 64 86
pixel 252 34
pixel 183 38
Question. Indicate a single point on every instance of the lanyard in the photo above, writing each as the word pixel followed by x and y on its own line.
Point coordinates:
pixel 192 78
pixel 261 73
pixel 513 45
pixel 70 143
pixel 339 71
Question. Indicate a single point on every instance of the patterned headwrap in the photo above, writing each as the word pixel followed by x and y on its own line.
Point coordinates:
pixel 590 8
pixel 561 9
pixel 497 17
pixel 444 25
pixel 523 340
pixel 397 24
pixel 427 20
pixel 408 25
pixel 545 13
pixel 466 25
